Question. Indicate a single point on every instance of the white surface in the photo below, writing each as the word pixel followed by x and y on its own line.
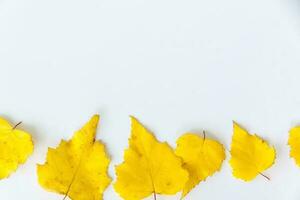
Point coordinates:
pixel 176 65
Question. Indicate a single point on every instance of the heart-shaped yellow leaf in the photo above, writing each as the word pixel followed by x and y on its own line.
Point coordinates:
pixel 294 142
pixel 202 157
pixel 15 147
pixel 250 155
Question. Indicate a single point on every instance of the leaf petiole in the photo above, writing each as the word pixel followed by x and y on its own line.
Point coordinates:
pixel 17 125
pixel 268 178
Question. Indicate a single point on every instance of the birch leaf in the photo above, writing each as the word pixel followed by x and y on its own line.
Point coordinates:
pixel 77 168
pixel 149 167
pixel 250 155
pixel 294 142
pixel 202 157
pixel 15 147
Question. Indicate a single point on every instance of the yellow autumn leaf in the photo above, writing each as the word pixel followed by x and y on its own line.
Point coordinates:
pixel 16 146
pixel 149 167
pixel 202 157
pixel 250 155
pixel 294 142
pixel 77 168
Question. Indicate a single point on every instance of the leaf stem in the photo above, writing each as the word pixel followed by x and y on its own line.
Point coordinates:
pixel 17 125
pixel 154 195
pixel 268 178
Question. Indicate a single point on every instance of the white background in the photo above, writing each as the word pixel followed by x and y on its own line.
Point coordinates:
pixel 177 66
